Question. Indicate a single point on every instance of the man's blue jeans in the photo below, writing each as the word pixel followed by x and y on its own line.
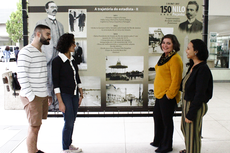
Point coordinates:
pixel 71 107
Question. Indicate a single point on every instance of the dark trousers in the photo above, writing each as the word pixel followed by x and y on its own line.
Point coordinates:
pixel 163 123
pixel 71 107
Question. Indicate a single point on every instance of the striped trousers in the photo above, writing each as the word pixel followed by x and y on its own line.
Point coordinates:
pixel 192 131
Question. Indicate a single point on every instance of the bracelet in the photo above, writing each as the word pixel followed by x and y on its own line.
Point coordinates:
pixel 81 96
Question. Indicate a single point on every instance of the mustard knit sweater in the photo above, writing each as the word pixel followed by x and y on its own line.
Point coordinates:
pixel 168 78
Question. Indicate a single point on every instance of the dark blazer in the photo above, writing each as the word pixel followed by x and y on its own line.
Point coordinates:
pixel 198 88
pixel 63 75
pixel 81 20
pixel 196 26
pixel 78 55
pixel 71 22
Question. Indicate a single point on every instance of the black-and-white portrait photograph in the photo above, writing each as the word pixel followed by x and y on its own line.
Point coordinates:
pixel 152 63
pixel 124 95
pixel 78 22
pixel 191 25
pixel 91 87
pixel 124 68
pixel 80 54
pixel 151 97
pixel 57 29
pixel 155 35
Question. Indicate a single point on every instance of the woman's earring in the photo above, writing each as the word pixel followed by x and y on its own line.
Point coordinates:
pixel 195 53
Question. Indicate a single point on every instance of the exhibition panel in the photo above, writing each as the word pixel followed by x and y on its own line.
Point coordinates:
pixel 119 45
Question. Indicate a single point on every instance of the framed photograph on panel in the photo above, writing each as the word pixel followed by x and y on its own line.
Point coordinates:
pixel 151 97
pixel 77 22
pixel 155 35
pixel 124 95
pixel 151 70
pixel 91 86
pixel 124 68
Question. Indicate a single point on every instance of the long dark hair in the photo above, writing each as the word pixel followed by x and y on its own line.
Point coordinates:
pixel 202 51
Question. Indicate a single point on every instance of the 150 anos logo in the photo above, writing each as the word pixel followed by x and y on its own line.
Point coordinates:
pixel 174 10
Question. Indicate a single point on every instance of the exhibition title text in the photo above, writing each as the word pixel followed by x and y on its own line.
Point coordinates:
pixel 108 9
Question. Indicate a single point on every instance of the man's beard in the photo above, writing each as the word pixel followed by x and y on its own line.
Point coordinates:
pixel 44 41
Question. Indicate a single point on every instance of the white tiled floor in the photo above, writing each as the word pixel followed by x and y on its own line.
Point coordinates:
pixel 116 135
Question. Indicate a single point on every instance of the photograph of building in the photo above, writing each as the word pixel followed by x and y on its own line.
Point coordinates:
pixel 124 95
pixel 155 35
pixel 91 86
pixel 151 97
pixel 124 68
pixel 152 63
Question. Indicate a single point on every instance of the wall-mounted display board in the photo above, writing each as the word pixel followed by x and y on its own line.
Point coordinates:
pixel 120 44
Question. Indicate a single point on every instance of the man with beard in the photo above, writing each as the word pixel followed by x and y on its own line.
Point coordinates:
pixel 50 51
pixel 192 25
pixel 32 76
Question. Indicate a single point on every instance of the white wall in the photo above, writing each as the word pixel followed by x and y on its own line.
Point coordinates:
pixel 220 75
pixel 3 30
pixel 219 7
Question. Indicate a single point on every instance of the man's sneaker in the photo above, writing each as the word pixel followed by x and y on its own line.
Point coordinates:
pixel 75 149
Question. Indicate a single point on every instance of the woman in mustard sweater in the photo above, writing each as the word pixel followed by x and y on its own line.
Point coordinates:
pixel 166 90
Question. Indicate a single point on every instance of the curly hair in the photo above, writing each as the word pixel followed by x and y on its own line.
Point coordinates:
pixel 65 42
pixel 175 42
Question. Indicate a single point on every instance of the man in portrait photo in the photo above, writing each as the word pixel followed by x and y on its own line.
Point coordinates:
pixel 192 25
pixel 81 21
pixel 71 21
pixel 50 51
pixel 78 54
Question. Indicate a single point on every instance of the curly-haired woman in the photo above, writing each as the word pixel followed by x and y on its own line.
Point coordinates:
pixel 67 86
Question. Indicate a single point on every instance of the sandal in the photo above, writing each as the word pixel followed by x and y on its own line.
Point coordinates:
pixel 183 151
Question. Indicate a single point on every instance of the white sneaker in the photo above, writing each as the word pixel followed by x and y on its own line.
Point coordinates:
pixel 66 151
pixel 75 149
